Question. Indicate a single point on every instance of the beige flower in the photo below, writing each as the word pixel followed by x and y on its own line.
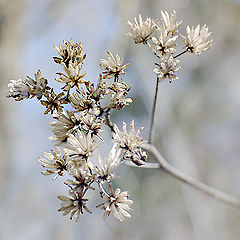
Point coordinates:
pixel 80 146
pixel 142 30
pixel 119 91
pixel 39 86
pixel 73 77
pixel 69 52
pixel 105 168
pixel 112 67
pixel 92 124
pixel 54 163
pixel 167 68
pixel 82 180
pixel 100 91
pixel 54 102
pixel 128 141
pixel 73 205
pixel 164 44
pixel 81 101
pixel 168 22
pixel 197 39
pixel 118 203
pixel 18 90
pixel 64 126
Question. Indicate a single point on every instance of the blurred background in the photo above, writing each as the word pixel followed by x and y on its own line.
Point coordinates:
pixel 197 122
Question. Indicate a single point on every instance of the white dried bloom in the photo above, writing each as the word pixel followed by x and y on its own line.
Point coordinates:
pixel 197 39
pixel 18 90
pixel 167 68
pixel 74 204
pixel 164 44
pixel 64 126
pixel 168 22
pixel 142 30
pixel 74 77
pixel 105 168
pixel 112 67
pixel 80 100
pixel 128 141
pixel 82 180
pixel 54 163
pixel 70 52
pixel 118 203
pixel 39 86
pixel 120 90
pixel 80 146
pixel 92 124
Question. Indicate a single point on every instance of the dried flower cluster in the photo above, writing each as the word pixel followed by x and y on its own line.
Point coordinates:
pixel 77 132
pixel 164 43
pixel 82 108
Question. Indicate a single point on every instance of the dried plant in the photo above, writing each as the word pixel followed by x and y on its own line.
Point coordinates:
pixel 77 131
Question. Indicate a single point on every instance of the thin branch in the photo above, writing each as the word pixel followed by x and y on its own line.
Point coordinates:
pixel 174 172
pixel 146 165
pixel 153 113
pixel 180 54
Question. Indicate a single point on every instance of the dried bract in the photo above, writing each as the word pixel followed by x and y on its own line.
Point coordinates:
pixel 105 168
pixel 164 44
pixel 118 203
pixel 18 90
pixel 142 30
pixel 64 126
pixel 112 67
pixel 168 22
pixel 80 147
pixel 73 205
pixel 39 86
pixel 54 163
pixel 167 68
pixel 197 39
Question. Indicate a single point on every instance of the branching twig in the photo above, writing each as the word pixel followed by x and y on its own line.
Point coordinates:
pixel 174 172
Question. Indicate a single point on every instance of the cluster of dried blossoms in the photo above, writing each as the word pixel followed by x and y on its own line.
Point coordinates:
pixel 164 43
pixel 77 131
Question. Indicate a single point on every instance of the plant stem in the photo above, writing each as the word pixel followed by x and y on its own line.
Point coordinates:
pixel 180 54
pixel 174 172
pixel 153 113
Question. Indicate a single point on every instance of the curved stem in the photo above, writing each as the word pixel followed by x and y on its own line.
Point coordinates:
pixel 153 113
pixel 174 172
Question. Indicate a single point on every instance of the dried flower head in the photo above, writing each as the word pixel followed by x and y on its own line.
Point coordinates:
pixel 112 67
pixel 197 39
pixel 128 141
pixel 39 86
pixel 164 44
pixel 81 101
pixel 73 205
pixel 105 168
pixel 69 52
pixel 73 76
pixel 64 126
pixel 118 203
pixel 80 147
pixel 142 30
pixel 82 180
pixel 54 102
pixel 18 90
pixel 54 163
pixel 92 124
pixel 167 68
pixel 168 22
